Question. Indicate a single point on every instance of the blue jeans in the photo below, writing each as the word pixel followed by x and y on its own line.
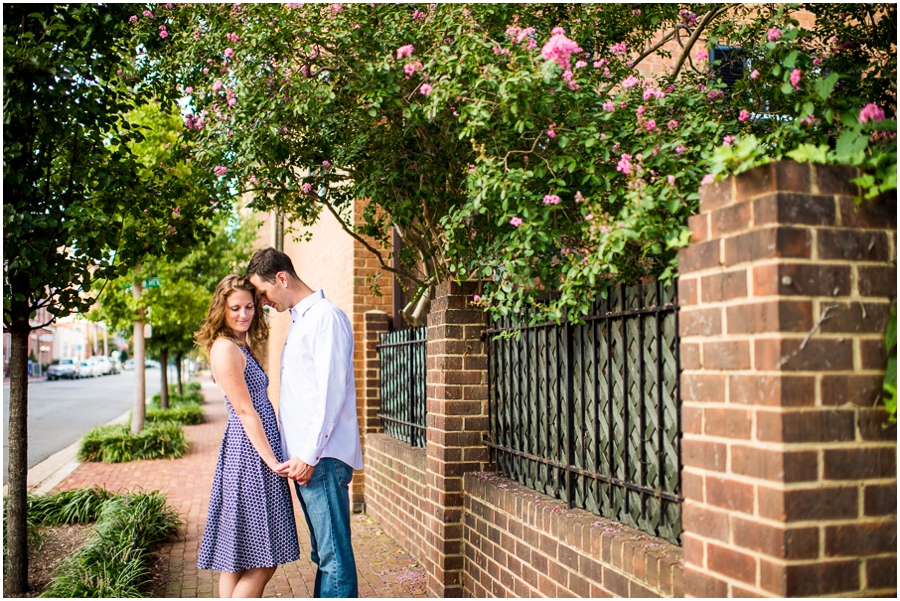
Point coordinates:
pixel 326 504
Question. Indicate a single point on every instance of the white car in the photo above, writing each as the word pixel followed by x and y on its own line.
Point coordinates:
pixel 86 369
pixel 101 364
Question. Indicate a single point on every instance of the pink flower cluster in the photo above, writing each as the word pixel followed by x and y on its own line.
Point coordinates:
pixel 147 14
pixel 220 171
pixel 743 115
pixel 306 188
pixel 499 50
pixel 624 165
pixel 515 221
pixel 630 81
pixel 795 78
pixel 773 34
pixel 519 34
pixel 618 48
pixel 550 130
pixel 425 89
pixel 176 212
pixel 410 68
pixel 672 124
pixel 728 140
pixel 232 38
pixel 551 199
pixel 609 106
pixel 404 51
pixel 688 18
pixel 871 112
pixel 559 48
pixel 229 53
pixel 193 122
pixel 335 9
pixel 132 18
pixel 708 179
pixel 754 74
pixel 217 85
pixel 162 32
pixel 418 15
pixel 653 93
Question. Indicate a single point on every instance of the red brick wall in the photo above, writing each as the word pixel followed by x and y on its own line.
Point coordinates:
pixel 520 543
pixel 789 468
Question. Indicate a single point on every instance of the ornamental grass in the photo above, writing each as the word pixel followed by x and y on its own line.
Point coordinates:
pixel 116 444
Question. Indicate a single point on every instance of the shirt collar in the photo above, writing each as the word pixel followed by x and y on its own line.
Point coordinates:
pixel 303 306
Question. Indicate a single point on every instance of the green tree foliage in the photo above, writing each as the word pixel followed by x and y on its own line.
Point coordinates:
pixel 78 207
pixel 519 143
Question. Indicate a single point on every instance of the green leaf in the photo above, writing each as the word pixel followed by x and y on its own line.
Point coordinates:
pixel 824 86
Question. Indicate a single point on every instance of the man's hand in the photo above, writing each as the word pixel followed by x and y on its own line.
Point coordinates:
pixel 297 470
pixel 282 469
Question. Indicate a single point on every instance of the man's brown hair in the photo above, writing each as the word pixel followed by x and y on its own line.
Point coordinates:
pixel 266 262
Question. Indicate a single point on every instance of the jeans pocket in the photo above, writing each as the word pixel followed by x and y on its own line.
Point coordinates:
pixel 344 473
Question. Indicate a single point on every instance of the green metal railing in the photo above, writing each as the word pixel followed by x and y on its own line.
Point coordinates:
pixel 590 413
pixel 402 359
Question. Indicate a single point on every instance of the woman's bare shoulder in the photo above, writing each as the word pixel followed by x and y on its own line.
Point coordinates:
pixel 226 350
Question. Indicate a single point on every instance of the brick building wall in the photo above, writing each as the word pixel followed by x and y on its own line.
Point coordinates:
pixel 789 466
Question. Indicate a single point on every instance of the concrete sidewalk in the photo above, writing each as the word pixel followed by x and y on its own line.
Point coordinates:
pixel 385 569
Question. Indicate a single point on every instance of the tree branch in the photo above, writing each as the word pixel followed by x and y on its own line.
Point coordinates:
pixel 694 36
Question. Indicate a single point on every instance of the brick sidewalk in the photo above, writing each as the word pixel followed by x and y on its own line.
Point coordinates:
pixel 385 569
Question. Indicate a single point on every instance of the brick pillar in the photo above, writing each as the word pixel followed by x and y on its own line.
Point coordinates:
pixel 789 466
pixel 368 401
pixel 456 423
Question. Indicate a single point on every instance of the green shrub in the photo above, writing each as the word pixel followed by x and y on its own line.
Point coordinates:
pixel 78 506
pixel 116 444
pixel 190 386
pixel 115 560
pixel 186 415
pixel 176 400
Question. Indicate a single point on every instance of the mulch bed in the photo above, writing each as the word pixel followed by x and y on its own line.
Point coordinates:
pixel 59 542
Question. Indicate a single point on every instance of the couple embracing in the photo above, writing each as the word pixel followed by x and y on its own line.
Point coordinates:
pixel 250 526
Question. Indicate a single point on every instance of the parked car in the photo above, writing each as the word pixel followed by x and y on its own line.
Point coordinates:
pixel 115 364
pixel 62 368
pixel 101 364
pixel 151 364
pixel 87 369
pixel 128 365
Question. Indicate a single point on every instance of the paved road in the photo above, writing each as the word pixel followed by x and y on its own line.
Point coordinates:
pixel 59 412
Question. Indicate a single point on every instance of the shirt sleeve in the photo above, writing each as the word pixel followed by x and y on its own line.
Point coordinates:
pixel 333 345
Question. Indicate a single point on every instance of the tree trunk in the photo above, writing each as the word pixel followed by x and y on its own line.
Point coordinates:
pixel 140 384
pixel 16 569
pixel 164 381
pixel 179 359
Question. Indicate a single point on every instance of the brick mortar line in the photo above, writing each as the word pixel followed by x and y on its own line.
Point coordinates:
pixel 768 261
pixel 779 486
pixel 796 446
pixel 784 561
pixel 769 372
pixel 741 301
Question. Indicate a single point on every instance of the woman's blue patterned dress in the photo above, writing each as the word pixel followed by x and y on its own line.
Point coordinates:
pixel 250 522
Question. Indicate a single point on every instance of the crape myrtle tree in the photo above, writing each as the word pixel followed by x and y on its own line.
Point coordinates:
pixel 519 144
pixel 78 208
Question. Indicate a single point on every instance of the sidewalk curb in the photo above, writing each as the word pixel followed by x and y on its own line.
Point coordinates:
pixel 44 477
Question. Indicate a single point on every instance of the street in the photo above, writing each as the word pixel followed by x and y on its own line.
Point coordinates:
pixel 59 412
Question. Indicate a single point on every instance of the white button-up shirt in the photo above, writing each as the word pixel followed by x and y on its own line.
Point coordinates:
pixel 317 400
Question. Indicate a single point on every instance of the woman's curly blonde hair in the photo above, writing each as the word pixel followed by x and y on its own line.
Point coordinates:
pixel 214 326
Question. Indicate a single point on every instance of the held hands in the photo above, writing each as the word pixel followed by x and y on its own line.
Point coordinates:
pixel 295 469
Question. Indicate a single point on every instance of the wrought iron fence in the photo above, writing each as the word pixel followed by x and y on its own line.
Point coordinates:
pixel 590 413
pixel 402 358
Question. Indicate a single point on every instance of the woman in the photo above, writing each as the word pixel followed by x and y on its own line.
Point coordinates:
pixel 250 525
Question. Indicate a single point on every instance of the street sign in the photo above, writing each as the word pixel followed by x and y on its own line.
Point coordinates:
pixel 151 283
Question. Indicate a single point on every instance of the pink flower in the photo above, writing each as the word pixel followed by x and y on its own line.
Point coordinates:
pixel 326 163
pixel 754 74
pixel 651 125
pixel 336 8
pixel 728 140
pixel 217 85
pixel 817 62
pixel 624 165
pixel 189 90
pixel 476 298
pixel 205 71
pixel 132 18
pixel 672 124
pixel 580 64
pixel 220 170
pixel 795 77
pixel 708 179
pixel 164 34
pixel 679 149
pixel 404 51
pixel 773 34
pixel 559 48
pixel 702 55
pixel 589 217
pixel 168 5
pixel 605 229
pixel 425 89
pixel 119 72
pixel 306 188
pixel 550 132
pixel 557 31
pixel 551 199
pixel 253 180
pixel 229 53
pixel 418 15
pixel 630 81
pixel 148 14
pixel 636 12
pixel 176 212
pixel 411 68
pixel 609 106
pixel 743 115
pixel 871 111
pixel 640 110
pixel 670 179
pixel 515 221
pixel 618 48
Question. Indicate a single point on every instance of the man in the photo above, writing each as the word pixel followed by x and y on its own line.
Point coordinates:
pixel 317 412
